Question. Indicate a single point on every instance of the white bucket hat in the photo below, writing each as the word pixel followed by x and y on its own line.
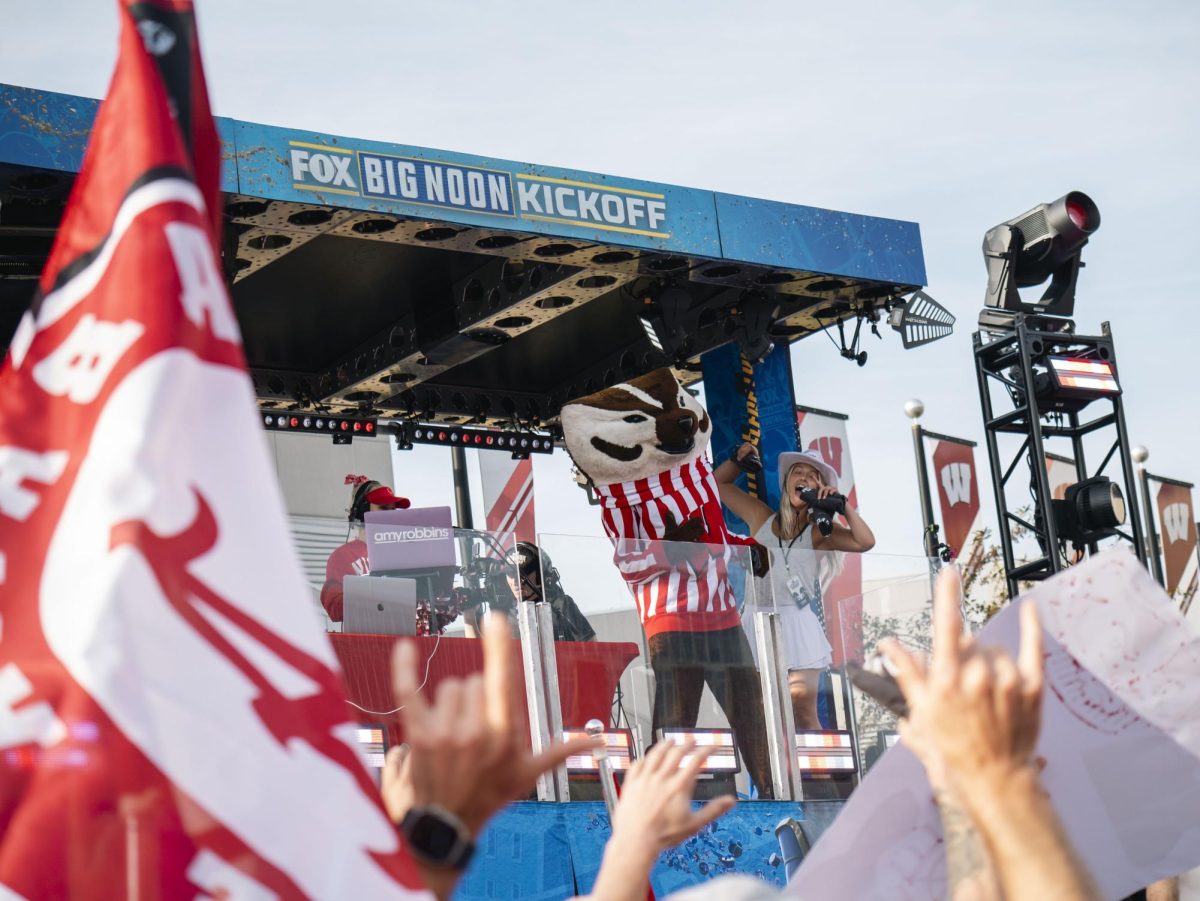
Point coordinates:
pixel 813 459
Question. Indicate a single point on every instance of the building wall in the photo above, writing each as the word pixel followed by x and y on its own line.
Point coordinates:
pixel 312 470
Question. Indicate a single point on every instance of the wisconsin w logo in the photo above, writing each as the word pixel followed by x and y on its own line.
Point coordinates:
pixel 956 481
pixel 1175 522
pixel 830 449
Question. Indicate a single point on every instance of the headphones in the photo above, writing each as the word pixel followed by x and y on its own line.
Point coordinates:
pixel 531 559
pixel 359 504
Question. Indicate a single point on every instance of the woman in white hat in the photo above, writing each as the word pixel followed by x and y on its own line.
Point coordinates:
pixel 794 584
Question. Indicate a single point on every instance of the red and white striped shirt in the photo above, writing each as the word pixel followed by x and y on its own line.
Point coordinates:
pixel 692 592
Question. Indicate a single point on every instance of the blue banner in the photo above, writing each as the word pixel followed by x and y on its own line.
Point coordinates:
pixel 725 398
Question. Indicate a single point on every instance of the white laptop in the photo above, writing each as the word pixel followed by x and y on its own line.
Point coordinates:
pixel 379 605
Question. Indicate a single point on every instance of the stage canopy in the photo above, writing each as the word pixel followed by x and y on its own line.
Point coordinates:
pixel 399 281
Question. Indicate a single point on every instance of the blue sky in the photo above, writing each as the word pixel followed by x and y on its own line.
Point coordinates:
pixel 957 115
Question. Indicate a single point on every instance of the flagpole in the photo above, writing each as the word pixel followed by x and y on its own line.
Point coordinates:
pixel 913 410
pixel 1140 455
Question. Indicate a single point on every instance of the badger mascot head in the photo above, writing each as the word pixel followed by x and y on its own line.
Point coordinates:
pixel 636 429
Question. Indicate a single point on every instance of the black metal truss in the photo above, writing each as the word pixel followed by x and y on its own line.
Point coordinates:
pixel 1011 362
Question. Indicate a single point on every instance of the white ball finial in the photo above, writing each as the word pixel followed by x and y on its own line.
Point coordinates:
pixel 594 728
pixel 1139 454
pixel 913 409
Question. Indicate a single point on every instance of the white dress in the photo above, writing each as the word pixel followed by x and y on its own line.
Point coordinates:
pixel 805 645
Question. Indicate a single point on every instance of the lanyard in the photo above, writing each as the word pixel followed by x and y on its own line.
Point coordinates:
pixel 788 550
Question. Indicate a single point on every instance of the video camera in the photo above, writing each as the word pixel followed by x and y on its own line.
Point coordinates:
pixel 485 582
pixel 822 508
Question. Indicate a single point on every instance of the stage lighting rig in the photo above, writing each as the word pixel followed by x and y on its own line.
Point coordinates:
pixel 1043 243
pixel 343 428
pixel 1090 510
pixel 662 317
pixel 519 444
pixel 1036 376
pixel 756 312
pixel 1067 384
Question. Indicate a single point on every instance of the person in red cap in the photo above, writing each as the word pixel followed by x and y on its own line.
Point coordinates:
pixel 351 558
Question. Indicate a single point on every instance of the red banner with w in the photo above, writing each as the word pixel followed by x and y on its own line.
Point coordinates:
pixel 957 491
pixel 172 722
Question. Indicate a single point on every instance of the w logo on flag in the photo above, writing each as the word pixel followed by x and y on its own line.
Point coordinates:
pixel 1175 522
pixel 830 449
pixel 956 481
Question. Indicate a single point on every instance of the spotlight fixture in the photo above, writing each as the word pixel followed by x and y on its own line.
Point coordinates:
pixel 344 429
pixel 825 752
pixel 662 319
pixel 920 319
pixel 519 444
pixel 617 742
pixel 757 312
pixel 1043 243
pixel 724 756
pixel 649 325
pixel 1090 510
pixel 1068 384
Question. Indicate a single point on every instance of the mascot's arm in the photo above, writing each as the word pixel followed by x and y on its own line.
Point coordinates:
pixel 760 557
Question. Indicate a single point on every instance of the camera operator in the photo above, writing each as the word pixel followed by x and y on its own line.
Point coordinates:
pixel 525 580
pixel 802 526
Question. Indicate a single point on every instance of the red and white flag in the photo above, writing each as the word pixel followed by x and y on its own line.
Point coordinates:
pixel 172 721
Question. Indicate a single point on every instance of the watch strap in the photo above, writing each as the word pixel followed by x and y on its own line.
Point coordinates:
pixel 461 850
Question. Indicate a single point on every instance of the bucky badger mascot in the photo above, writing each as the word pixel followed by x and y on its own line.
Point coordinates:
pixel 642 444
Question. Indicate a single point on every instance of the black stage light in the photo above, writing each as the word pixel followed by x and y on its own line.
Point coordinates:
pixel 664 320
pixel 519 444
pixel 757 312
pixel 1068 384
pixel 1090 510
pixel 821 752
pixel 1043 243
pixel 342 428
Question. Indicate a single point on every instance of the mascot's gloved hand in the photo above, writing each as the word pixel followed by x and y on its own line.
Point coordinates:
pixel 678 537
pixel 760 559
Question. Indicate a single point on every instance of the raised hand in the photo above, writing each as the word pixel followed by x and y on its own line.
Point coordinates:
pixel 655 813
pixel 975 708
pixel 468 751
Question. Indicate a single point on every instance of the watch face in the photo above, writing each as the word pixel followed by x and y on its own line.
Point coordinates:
pixel 432 837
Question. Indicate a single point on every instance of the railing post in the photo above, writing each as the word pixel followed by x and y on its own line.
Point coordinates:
pixel 545 620
pixel 777 708
pixel 535 693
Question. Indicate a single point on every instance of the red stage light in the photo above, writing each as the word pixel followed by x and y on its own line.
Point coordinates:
pixel 344 426
pixel 442 436
pixel 491 439
pixel 294 421
pixel 479 439
pixel 358 426
pixel 369 426
pixel 1077 214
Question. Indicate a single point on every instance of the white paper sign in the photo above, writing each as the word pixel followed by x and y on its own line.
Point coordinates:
pixel 1120 733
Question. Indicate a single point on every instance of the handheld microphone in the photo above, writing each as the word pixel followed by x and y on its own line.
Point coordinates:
pixel 821 509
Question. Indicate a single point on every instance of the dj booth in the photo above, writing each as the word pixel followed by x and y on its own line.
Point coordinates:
pixel 587 674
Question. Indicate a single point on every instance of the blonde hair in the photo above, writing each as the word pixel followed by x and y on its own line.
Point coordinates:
pixel 789 521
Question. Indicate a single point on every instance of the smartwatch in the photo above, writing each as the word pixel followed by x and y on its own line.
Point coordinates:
pixel 437 837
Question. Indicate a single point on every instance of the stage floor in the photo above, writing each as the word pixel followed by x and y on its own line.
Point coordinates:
pixel 550 851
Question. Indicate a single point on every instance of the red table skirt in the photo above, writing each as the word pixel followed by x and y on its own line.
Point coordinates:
pixel 588 672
